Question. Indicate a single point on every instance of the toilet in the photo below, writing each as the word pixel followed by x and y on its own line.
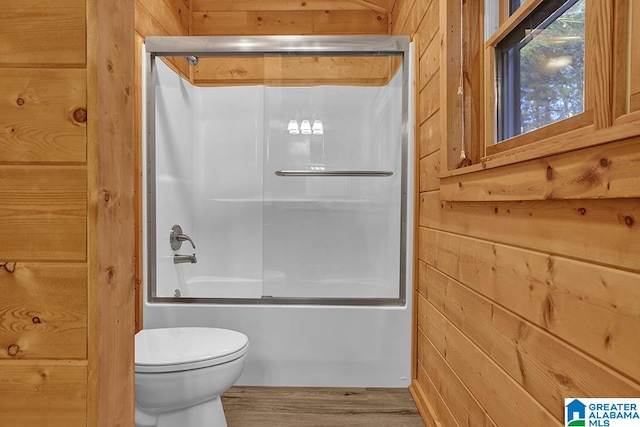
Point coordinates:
pixel 180 374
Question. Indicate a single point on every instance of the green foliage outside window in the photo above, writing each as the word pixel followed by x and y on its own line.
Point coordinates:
pixel 552 71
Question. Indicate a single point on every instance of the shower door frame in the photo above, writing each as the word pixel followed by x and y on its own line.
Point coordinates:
pixel 238 46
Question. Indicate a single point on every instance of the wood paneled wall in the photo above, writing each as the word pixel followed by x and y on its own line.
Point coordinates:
pixel 282 17
pixel 268 17
pixel 530 292
pixel 163 18
pixel 43 214
pixel 58 275
pixel 635 57
pixel 296 70
pixel 254 17
pixel 111 252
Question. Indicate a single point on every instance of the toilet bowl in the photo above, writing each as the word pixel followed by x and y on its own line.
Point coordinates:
pixel 180 374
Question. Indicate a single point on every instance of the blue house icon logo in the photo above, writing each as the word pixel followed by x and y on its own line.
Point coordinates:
pixel 575 413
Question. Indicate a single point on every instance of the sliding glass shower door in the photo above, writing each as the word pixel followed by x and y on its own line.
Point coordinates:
pixel 290 176
pixel 332 177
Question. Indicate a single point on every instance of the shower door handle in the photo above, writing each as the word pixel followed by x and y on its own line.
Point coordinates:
pixel 332 173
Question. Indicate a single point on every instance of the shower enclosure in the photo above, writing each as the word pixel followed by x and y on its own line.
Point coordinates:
pixel 277 201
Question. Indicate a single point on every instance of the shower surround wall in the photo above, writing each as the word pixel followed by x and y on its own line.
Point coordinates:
pixel 174 178
pixel 216 157
pixel 227 167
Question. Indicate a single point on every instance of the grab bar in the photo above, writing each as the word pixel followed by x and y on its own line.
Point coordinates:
pixel 331 173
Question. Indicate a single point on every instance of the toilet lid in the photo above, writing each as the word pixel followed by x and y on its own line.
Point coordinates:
pixel 176 349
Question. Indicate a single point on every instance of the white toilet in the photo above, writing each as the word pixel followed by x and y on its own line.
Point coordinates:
pixel 181 373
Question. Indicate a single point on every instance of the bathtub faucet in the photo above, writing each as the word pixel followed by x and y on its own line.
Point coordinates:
pixel 181 259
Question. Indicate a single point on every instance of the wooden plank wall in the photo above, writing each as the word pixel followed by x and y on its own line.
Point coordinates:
pixel 43 210
pixel 111 213
pixel 278 17
pixel 296 70
pixel 163 18
pixel 528 294
pixel 50 313
pixel 268 17
pixel 254 17
pixel 635 56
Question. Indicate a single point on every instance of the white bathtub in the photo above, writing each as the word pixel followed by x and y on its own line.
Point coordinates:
pixel 349 287
pixel 222 287
pixel 276 285
pixel 230 287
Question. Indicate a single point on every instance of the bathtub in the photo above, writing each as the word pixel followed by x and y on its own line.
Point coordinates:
pixel 275 285
pixel 222 287
pixel 231 287
pixel 353 287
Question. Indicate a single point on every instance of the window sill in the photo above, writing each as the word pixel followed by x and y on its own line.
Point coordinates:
pixel 626 126
pixel 583 164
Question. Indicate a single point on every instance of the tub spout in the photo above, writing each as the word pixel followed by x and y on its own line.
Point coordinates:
pixel 181 259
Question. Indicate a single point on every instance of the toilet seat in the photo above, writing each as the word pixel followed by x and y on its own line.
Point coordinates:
pixel 183 349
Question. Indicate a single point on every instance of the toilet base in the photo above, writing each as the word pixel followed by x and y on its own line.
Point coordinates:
pixel 206 414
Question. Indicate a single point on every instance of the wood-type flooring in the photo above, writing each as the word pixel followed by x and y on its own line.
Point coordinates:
pixel 319 407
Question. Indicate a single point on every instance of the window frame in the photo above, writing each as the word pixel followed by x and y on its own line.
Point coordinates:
pixel 579 143
pixel 508 66
pixel 605 39
pixel 584 120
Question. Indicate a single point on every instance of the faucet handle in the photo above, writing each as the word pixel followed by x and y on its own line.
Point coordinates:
pixel 176 237
pixel 184 237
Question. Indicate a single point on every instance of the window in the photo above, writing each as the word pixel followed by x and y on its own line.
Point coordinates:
pixel 543 77
pixel 540 68
pixel 537 78
pixel 514 5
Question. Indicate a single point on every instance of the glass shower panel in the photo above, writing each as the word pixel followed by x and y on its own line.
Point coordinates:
pixel 208 160
pixel 228 164
pixel 174 182
pixel 332 176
